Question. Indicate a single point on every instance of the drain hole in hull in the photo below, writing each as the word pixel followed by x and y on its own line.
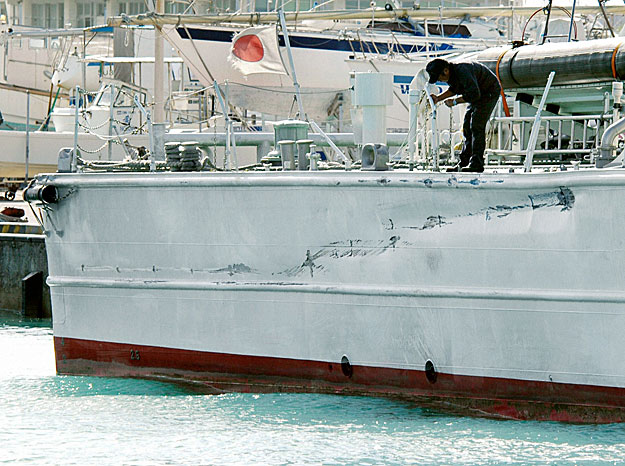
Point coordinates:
pixel 430 372
pixel 346 367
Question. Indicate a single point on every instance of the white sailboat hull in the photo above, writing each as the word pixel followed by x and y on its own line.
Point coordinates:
pixel 44 148
pixel 322 60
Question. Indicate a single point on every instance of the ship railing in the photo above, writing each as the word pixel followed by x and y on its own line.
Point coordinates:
pixel 561 138
pixel 114 96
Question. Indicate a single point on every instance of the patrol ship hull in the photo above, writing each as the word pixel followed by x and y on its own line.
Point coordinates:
pixel 492 295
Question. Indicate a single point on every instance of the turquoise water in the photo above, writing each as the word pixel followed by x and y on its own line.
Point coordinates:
pixel 48 419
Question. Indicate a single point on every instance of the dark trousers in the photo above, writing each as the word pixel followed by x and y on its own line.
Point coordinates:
pixel 474 131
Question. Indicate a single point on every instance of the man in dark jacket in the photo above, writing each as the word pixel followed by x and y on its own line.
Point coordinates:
pixel 478 86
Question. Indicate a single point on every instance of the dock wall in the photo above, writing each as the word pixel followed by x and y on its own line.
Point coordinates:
pixel 23 273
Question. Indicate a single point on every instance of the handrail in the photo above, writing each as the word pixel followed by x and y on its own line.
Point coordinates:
pixel 604 116
pixel 561 149
pixel 534 134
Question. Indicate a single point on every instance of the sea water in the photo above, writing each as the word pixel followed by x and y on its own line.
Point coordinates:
pixel 51 419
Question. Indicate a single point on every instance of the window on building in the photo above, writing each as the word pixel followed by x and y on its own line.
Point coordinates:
pixel 296 5
pixel 16 14
pixel 362 4
pixel 37 16
pixel 176 7
pixel 131 8
pixel 260 5
pixel 223 5
pixel 48 15
pixel 287 5
pixel 90 14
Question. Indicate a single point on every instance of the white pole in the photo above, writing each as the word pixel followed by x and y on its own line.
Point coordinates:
pixel 75 152
pixel 110 148
pixel 412 128
pixel 84 63
pixel 427 34
pixel 336 149
pixel 233 142
pixel 159 108
pixel 224 109
pixel 441 28
pixel 287 42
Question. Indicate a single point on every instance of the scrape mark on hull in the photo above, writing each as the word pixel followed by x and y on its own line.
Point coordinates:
pixel 353 248
pixel 564 197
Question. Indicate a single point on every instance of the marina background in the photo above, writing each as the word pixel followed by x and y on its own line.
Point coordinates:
pixel 50 419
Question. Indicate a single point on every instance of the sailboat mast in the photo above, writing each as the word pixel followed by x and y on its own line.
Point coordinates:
pixel 159 108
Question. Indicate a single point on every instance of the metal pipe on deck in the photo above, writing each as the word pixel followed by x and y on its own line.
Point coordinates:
pixel 260 138
pixel 413 125
pixel 609 135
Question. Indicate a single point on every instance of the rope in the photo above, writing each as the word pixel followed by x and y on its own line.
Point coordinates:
pixel 82 149
pixel 362 47
pixel 351 46
pixel 87 127
pixel 613 62
pixel 543 9
pixel 130 165
pixel 89 130
pixel 503 95
pixel 375 47
pixel 400 46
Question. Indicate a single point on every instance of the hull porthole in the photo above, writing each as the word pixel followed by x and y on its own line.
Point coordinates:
pixel 430 372
pixel 346 367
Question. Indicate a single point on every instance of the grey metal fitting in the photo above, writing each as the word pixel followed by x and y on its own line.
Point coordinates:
pixel 374 157
pixel 303 149
pixel 606 150
pixel 287 154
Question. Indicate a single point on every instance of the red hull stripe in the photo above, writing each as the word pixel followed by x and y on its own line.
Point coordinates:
pixel 483 396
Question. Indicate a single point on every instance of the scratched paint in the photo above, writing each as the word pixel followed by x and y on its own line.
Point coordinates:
pixel 231 269
pixel 352 248
pixel 563 197
pixel 430 182
pixel 342 250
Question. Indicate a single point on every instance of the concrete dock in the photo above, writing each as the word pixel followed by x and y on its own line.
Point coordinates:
pixel 23 265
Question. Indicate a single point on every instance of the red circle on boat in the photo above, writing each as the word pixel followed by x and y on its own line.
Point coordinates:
pixel 248 48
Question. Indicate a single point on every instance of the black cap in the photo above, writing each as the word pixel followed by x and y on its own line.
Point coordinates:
pixel 435 69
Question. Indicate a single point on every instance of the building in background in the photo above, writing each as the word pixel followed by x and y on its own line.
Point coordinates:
pixel 48 14
pixel 59 14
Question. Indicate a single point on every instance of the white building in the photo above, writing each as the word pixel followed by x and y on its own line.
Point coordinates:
pixel 80 13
